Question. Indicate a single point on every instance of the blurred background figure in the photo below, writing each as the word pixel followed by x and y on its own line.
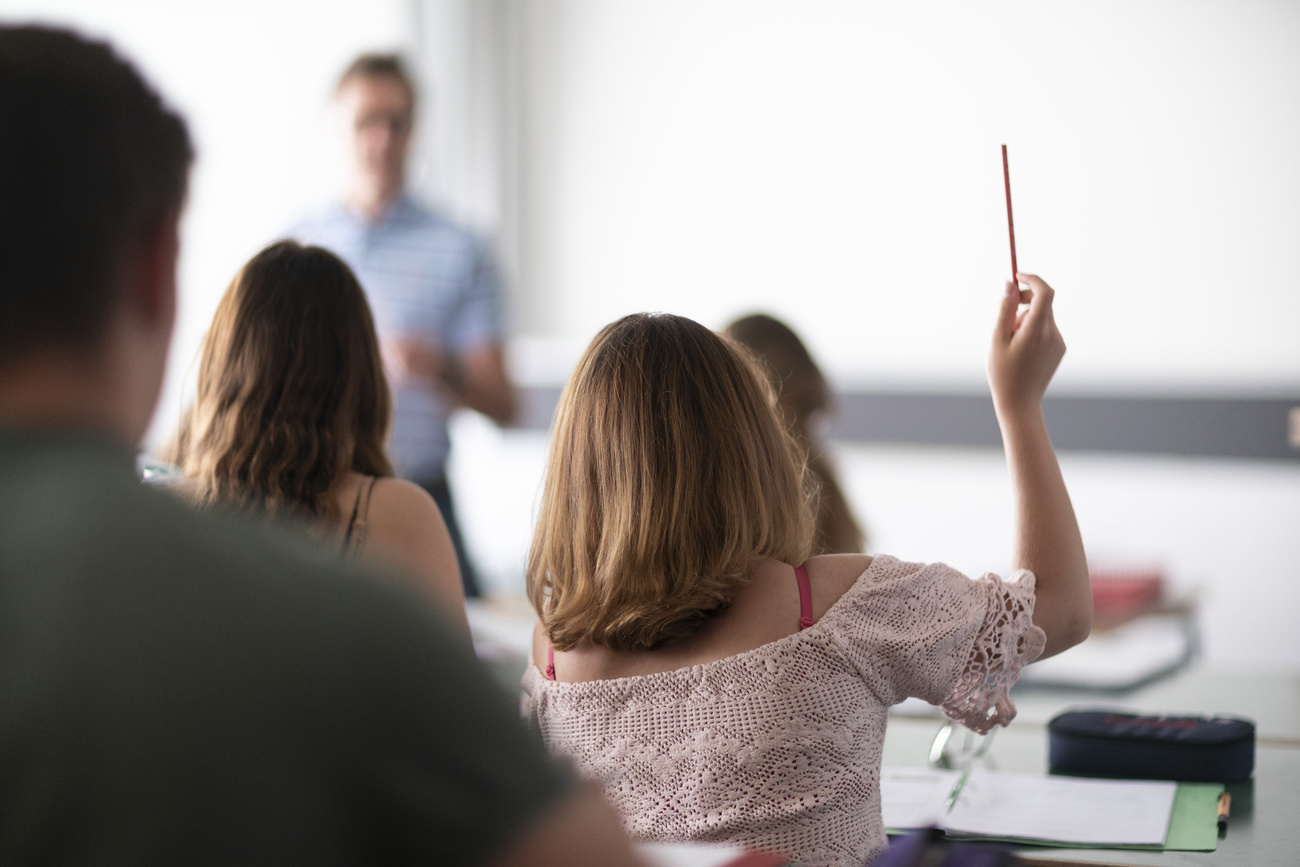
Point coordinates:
pixel 292 413
pixel 431 283
pixel 805 403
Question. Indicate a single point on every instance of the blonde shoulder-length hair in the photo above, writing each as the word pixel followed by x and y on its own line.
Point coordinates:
pixel 291 387
pixel 669 473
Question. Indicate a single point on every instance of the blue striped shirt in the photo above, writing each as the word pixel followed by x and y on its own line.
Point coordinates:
pixel 426 278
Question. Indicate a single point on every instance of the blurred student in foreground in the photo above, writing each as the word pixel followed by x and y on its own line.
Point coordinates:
pixel 181 688
pixel 803 401
pixel 292 414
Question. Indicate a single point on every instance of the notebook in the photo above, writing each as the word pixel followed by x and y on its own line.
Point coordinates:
pixel 1052 811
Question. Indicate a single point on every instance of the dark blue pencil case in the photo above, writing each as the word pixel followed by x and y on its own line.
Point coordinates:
pixel 1100 743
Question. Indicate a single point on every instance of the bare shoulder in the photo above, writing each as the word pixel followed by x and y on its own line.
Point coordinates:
pixel 406 529
pixel 405 525
pixel 831 576
pixel 402 506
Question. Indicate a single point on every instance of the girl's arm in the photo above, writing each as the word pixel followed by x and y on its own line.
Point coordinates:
pixel 1027 347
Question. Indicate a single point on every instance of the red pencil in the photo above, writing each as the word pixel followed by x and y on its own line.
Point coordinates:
pixel 1011 227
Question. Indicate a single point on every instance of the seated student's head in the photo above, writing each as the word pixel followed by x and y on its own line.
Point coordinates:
pixel 800 387
pixel 291 388
pixel 803 395
pixel 669 474
pixel 93 171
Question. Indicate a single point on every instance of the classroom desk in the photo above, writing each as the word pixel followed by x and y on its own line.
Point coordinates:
pixel 1265 824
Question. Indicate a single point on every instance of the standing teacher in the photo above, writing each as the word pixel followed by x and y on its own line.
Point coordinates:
pixel 432 285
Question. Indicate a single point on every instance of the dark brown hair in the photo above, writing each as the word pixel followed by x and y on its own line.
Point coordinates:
pixel 802 393
pixel 291 387
pixel 669 474
pixel 91 161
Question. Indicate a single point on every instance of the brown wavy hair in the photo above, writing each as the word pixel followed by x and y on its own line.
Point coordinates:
pixel 291 387
pixel 669 473
pixel 802 393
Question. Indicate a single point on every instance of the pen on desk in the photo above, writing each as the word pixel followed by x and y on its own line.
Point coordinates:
pixel 1225 805
pixel 955 793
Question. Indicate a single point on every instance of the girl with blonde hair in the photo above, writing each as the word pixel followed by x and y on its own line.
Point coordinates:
pixel 690 655
pixel 292 413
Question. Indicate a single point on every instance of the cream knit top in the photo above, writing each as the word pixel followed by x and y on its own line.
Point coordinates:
pixel 779 747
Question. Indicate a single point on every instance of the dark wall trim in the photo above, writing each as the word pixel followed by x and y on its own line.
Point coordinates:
pixel 1206 427
pixel 1245 427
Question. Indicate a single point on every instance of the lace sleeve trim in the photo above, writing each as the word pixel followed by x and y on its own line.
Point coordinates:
pixel 1007 641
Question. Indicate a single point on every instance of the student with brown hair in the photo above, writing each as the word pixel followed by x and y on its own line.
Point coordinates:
pixel 804 399
pixel 292 413
pixel 690 655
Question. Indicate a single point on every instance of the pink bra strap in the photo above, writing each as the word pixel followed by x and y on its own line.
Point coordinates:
pixel 550 663
pixel 805 598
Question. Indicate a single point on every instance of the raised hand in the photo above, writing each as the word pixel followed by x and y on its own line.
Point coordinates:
pixel 1027 347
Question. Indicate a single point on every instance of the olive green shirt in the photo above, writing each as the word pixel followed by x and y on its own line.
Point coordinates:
pixel 182 688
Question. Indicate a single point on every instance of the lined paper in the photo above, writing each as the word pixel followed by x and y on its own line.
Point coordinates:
pixel 1031 807
pixel 1034 807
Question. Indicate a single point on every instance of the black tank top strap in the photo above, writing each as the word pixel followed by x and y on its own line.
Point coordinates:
pixel 355 534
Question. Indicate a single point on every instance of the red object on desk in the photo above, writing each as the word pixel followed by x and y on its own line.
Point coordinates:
pixel 1119 595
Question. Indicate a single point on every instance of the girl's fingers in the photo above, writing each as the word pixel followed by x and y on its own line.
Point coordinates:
pixel 1039 297
pixel 1036 286
pixel 1007 323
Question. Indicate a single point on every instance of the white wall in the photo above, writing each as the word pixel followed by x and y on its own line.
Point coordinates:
pixel 837 162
